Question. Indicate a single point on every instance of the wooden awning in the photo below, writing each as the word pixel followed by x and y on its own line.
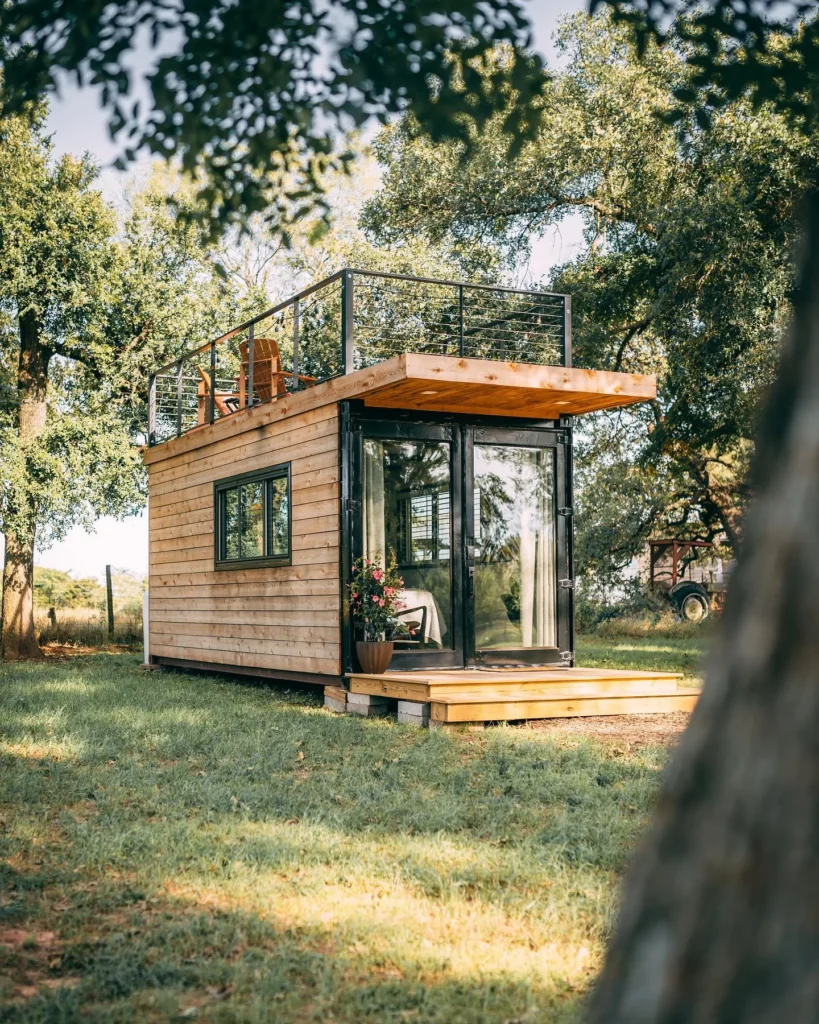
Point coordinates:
pixel 479 387
pixel 488 388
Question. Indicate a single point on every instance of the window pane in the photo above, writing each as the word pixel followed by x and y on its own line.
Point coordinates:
pixel 515 572
pixel 406 511
pixel 279 517
pixel 252 520
pixel 230 523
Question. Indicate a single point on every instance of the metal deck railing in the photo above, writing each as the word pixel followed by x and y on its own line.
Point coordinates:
pixel 350 320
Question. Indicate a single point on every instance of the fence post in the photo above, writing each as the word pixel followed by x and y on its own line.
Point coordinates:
pixel 152 410
pixel 461 320
pixel 212 402
pixel 109 593
pixel 179 398
pixel 295 384
pixel 251 356
pixel 347 317
pixel 567 330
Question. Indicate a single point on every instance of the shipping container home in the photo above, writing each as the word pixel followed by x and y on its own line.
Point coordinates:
pixel 377 413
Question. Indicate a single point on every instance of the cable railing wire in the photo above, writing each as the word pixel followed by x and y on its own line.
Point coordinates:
pixel 352 320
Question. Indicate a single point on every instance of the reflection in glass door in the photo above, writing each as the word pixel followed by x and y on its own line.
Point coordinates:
pixel 407 510
pixel 515 573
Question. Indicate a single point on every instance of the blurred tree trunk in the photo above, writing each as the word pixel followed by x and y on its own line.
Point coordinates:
pixel 720 914
pixel 19 639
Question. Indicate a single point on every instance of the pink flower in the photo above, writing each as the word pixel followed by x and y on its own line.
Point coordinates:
pixel 381 601
pixel 378 575
pixel 355 596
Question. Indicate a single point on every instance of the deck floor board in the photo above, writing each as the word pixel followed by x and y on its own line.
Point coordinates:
pixel 513 694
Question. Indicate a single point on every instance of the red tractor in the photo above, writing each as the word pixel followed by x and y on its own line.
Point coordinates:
pixel 695 586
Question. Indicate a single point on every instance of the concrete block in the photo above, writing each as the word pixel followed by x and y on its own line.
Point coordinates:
pixel 369 707
pixel 366 700
pixel 335 705
pixel 412 712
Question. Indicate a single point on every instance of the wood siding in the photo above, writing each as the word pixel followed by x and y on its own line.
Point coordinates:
pixel 285 618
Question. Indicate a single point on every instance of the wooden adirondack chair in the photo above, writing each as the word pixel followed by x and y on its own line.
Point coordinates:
pixel 225 402
pixel 269 378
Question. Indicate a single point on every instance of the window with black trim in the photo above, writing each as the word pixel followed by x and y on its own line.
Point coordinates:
pixel 252 519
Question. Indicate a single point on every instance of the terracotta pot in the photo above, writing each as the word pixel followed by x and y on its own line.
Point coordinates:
pixel 374 655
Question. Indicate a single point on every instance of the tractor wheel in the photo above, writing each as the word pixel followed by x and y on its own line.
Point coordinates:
pixel 691 602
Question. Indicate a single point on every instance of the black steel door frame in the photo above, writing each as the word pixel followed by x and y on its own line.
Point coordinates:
pixel 414 430
pixel 528 437
pixel 356 421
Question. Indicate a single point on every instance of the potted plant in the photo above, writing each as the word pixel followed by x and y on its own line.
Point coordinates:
pixel 374 601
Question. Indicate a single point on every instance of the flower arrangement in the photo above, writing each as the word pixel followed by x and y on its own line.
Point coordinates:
pixel 374 598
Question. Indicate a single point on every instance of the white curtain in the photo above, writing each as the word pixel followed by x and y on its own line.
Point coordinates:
pixel 537 557
pixel 373 505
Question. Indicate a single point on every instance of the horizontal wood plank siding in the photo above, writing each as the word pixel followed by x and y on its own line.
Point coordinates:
pixel 285 618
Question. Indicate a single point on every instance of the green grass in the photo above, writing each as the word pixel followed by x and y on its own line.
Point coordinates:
pixel 683 654
pixel 181 846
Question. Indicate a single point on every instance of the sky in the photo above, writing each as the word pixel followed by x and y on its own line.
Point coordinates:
pixel 78 125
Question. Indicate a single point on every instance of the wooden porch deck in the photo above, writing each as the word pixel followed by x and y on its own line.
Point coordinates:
pixel 515 694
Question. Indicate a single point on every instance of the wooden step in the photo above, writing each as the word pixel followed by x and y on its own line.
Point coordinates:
pixel 496 707
pixel 427 686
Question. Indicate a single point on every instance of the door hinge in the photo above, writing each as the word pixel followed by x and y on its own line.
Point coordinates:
pixel 567 657
pixel 352 504
pixel 567 584
pixel 562 439
pixel 567 511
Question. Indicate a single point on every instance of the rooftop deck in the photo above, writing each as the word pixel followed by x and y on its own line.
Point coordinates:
pixel 395 342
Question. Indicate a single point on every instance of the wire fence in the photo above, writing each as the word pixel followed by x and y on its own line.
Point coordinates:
pixel 349 321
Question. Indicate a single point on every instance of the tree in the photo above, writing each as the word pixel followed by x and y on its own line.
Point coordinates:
pixel 81 313
pixel 55 589
pixel 62 454
pixel 687 269
pixel 257 103
pixel 718 916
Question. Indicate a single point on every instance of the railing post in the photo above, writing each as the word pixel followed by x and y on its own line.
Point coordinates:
pixel 347 340
pixel 152 410
pixel 567 330
pixel 212 403
pixel 179 398
pixel 251 355
pixel 295 385
pixel 461 320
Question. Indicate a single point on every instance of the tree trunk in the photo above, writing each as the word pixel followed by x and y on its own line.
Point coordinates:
pixel 18 637
pixel 720 916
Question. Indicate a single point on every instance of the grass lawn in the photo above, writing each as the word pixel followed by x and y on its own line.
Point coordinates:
pixel 651 653
pixel 179 847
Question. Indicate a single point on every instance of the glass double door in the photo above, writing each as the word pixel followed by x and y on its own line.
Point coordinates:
pixel 471 516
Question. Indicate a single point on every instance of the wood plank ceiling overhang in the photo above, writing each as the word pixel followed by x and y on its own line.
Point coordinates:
pixel 488 388
pixel 480 387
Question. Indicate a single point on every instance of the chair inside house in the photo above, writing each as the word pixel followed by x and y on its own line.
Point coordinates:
pixel 414 620
pixel 225 402
pixel 269 377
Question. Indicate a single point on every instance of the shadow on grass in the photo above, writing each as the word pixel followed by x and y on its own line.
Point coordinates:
pixel 191 846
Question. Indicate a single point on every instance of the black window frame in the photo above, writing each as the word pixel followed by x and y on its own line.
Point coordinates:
pixel 266 560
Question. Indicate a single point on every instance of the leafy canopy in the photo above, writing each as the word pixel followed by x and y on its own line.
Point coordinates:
pixel 686 270
pixel 255 98
pixel 107 300
pixel 767 51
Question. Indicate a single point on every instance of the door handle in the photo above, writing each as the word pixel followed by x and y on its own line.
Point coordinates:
pixel 471 583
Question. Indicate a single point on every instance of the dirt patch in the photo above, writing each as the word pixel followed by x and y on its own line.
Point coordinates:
pixel 634 730
pixel 55 650
pixel 35 958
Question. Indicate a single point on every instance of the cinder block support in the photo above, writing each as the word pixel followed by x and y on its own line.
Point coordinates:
pixel 367 706
pixel 335 698
pixel 411 712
